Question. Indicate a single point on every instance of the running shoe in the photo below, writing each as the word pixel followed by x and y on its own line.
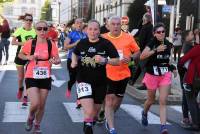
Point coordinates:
pixel 144 120
pixel 112 131
pixel 37 129
pixel 20 93
pixel 78 104
pixel 88 128
pixel 68 93
pixel 106 125
pixel 25 101
pixel 163 129
pixel 29 124
pixel 101 117
pixel 185 123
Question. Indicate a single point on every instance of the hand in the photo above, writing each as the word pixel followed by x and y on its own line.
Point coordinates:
pixel 126 60
pixel 161 48
pixel 73 64
pixel 54 60
pixel 175 73
pixel 99 59
pixel 31 57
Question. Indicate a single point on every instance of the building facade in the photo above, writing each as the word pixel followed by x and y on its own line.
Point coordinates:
pixel 105 7
pixel 12 10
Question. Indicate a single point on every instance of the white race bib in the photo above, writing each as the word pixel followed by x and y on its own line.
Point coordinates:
pixel 163 70
pixel 40 72
pixel 121 55
pixel 84 89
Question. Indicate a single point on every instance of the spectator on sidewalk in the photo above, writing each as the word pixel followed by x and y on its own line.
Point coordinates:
pixel 4 41
pixel 52 34
pixel 188 37
pixel 177 42
pixel 191 84
pixel 145 36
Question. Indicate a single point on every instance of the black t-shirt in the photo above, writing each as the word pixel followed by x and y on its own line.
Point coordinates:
pixel 88 71
pixel 103 29
pixel 158 63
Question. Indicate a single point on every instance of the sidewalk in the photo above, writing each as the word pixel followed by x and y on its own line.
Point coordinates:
pixel 175 96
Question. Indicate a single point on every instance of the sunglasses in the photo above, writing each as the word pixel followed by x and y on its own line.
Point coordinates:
pixel 159 32
pixel 29 20
pixel 41 28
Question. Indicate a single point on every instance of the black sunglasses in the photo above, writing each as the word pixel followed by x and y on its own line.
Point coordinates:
pixel 41 28
pixel 159 32
pixel 29 20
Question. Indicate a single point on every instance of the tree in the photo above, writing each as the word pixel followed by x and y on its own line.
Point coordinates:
pixel 135 13
pixel 46 13
pixel 3 1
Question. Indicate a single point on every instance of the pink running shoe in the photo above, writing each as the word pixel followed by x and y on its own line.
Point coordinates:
pixel 68 93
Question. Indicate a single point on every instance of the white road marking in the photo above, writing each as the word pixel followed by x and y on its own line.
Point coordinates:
pixel 75 115
pixel 57 83
pixel 2 73
pixel 177 108
pixel 14 112
pixel 135 112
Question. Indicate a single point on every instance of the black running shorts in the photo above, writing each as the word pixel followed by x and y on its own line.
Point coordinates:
pixel 39 83
pixel 117 87
pixel 19 61
pixel 98 93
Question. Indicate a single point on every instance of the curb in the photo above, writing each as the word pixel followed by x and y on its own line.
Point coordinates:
pixel 141 95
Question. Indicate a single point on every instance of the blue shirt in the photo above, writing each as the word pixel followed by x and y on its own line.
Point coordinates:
pixel 74 36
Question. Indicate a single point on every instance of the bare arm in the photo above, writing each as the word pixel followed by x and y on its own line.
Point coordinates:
pixel 23 56
pixel 102 60
pixel 74 60
pixel 69 46
pixel 147 52
pixel 15 42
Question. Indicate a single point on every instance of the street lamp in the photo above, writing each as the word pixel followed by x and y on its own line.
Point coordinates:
pixel 59 3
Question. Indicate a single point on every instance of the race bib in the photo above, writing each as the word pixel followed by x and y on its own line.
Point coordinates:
pixel 40 73
pixel 163 70
pixel 84 89
pixel 121 55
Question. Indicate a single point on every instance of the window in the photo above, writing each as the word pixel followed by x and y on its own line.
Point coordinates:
pixel 23 1
pixel 9 10
pixel 33 1
pixel 24 10
pixel 33 11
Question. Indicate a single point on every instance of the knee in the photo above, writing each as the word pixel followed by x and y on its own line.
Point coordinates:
pixel 35 106
pixel 150 101
pixel 109 101
pixel 162 102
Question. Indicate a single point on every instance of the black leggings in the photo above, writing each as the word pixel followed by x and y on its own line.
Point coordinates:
pixel 185 109
pixel 72 74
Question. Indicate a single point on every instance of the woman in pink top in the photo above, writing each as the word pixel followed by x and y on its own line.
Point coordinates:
pixel 38 71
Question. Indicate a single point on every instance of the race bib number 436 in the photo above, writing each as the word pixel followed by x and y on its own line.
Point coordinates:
pixel 84 89
pixel 40 73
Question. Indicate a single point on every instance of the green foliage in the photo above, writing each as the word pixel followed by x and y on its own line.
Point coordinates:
pixel 2 1
pixel 46 13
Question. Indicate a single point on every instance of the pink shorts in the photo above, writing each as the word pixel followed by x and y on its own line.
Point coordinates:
pixel 153 82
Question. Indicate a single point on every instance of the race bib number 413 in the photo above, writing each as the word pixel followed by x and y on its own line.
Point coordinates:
pixel 40 73
pixel 84 89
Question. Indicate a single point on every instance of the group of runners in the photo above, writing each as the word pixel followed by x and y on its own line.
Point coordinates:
pixel 98 63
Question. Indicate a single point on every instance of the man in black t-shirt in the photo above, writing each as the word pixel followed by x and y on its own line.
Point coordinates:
pixel 91 72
